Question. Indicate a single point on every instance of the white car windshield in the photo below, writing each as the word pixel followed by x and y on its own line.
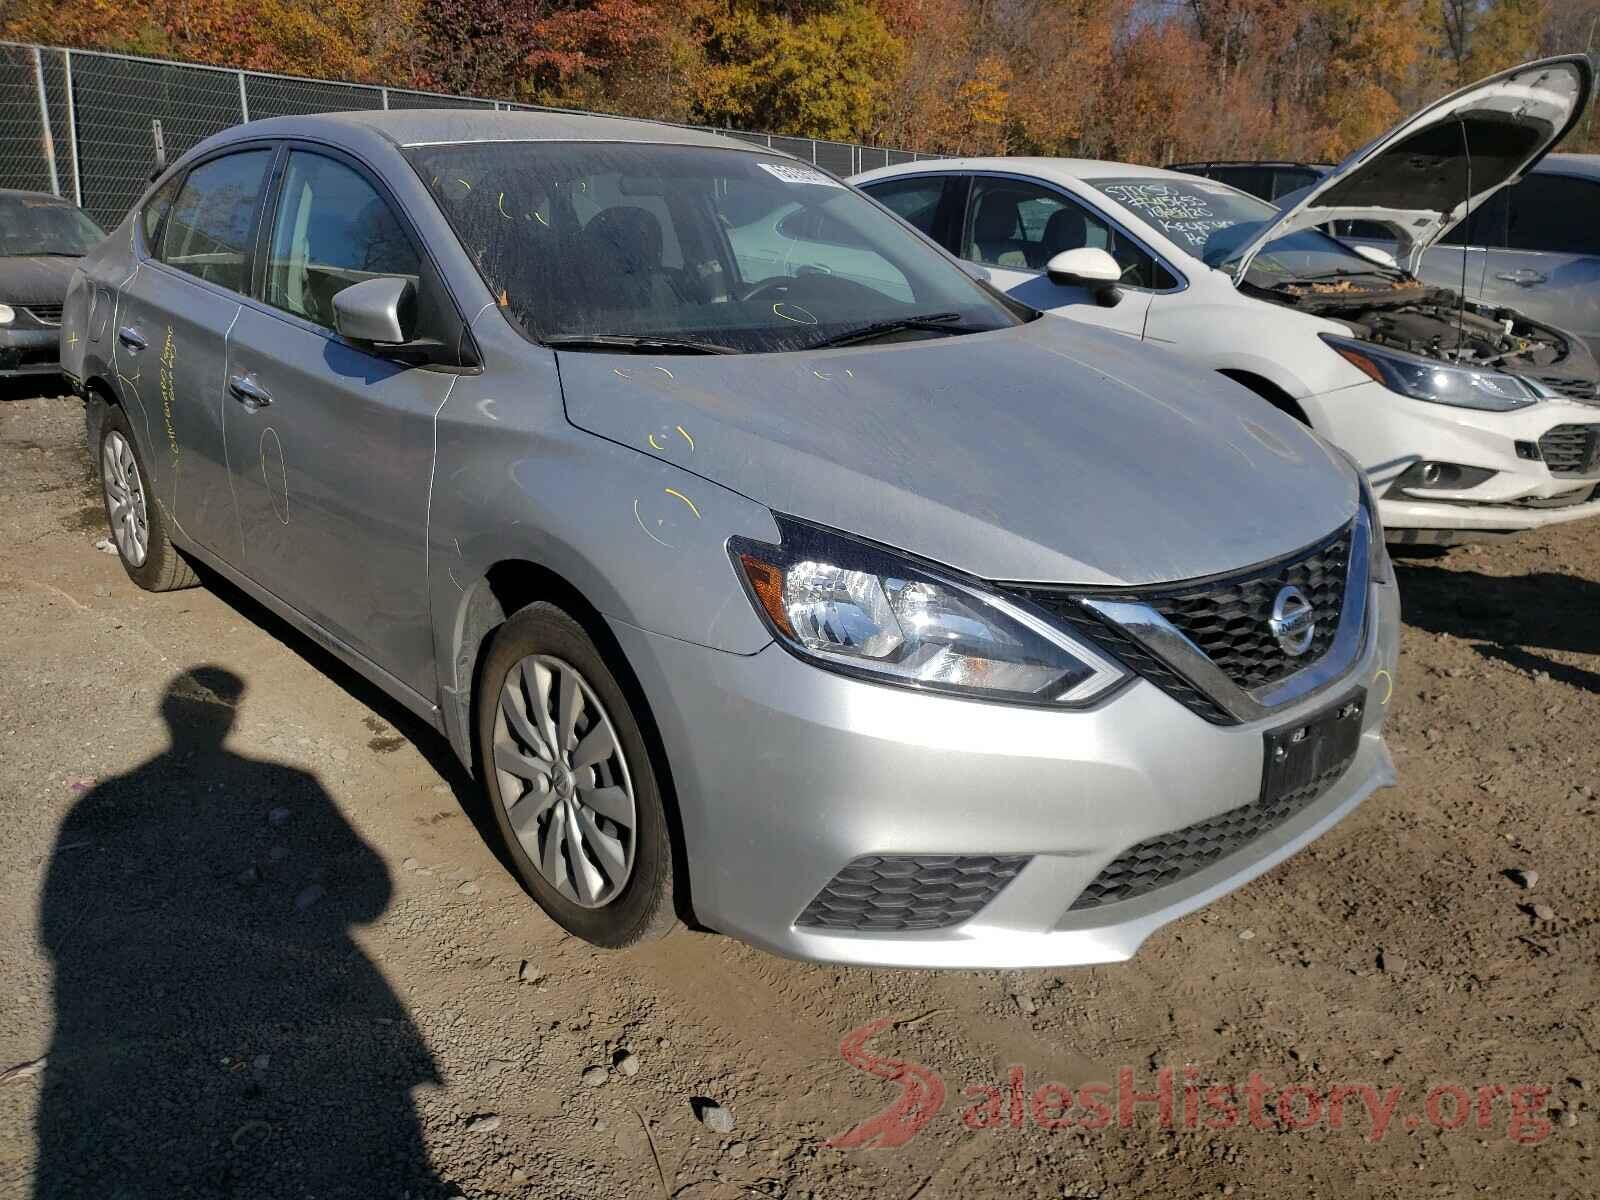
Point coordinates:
pixel 1215 222
pixel 704 248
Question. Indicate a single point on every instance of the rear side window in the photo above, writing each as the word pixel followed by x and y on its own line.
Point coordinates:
pixel 332 229
pixel 914 200
pixel 1555 214
pixel 207 233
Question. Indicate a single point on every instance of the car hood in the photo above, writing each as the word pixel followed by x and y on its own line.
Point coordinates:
pixel 1425 175
pixel 38 279
pixel 1050 452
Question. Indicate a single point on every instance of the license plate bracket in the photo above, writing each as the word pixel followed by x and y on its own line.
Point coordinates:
pixel 1320 745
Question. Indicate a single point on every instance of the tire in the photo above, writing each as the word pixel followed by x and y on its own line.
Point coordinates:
pixel 607 884
pixel 155 565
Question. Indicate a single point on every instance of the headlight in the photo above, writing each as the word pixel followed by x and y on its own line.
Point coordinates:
pixel 7 314
pixel 1440 382
pixel 855 608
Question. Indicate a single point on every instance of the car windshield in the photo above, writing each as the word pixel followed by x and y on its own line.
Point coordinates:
pixel 41 225
pixel 684 248
pixel 1215 222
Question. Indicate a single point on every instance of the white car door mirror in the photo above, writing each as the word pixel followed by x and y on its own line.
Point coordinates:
pixel 382 311
pixel 1087 267
pixel 1382 257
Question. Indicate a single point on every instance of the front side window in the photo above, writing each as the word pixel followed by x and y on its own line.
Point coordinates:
pixel 207 232
pixel 1555 214
pixel 332 229
pixel 32 225
pixel 1022 226
pixel 725 248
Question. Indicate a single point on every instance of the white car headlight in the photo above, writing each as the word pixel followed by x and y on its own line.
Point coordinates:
pixel 7 314
pixel 862 610
pixel 1434 380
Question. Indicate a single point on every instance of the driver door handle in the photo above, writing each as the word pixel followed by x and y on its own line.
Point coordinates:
pixel 248 392
pixel 1523 277
pixel 131 338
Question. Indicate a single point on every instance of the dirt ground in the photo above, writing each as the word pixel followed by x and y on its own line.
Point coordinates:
pixel 251 916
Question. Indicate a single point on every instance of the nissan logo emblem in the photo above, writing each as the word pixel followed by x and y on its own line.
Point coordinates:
pixel 1293 621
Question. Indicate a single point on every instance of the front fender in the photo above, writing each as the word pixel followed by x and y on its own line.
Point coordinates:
pixel 644 541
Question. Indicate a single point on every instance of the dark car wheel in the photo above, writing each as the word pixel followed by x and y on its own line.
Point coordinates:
pixel 138 526
pixel 571 783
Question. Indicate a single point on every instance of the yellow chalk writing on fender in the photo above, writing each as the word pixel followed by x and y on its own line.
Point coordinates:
pixel 169 359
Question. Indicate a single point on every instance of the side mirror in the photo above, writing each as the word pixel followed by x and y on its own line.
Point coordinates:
pixel 1373 254
pixel 382 311
pixel 1087 266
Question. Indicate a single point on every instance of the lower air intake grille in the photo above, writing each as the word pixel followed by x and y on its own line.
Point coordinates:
pixel 1572 449
pixel 1170 857
pixel 895 893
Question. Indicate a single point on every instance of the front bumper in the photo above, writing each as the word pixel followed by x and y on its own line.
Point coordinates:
pixel 785 773
pixel 29 352
pixel 1388 433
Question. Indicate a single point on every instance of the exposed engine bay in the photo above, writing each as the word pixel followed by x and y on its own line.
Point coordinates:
pixel 1406 314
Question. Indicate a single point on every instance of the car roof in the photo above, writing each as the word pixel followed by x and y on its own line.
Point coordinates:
pixel 1045 168
pixel 1585 165
pixel 434 126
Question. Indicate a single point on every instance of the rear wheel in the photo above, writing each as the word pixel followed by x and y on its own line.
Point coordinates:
pixel 572 785
pixel 138 527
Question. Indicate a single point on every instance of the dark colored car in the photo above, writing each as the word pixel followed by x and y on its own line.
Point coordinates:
pixel 1268 180
pixel 42 237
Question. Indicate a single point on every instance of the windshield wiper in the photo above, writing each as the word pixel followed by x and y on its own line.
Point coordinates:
pixel 935 321
pixel 628 343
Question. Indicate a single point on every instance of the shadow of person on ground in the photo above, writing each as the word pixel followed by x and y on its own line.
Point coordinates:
pixel 217 1031
pixel 1510 618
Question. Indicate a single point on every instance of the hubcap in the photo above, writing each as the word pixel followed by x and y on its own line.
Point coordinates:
pixel 130 522
pixel 563 780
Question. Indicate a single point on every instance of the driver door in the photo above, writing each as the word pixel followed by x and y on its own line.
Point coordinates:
pixel 1014 227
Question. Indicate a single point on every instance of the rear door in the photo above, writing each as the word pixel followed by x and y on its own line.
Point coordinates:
pixel 1549 267
pixel 331 446
pixel 170 333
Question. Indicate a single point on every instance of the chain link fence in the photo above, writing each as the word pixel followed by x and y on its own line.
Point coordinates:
pixel 89 126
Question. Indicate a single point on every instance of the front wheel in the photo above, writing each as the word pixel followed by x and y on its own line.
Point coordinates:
pixel 572 785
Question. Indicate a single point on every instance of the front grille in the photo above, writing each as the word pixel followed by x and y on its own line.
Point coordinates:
pixel 1571 449
pixel 1573 389
pixel 889 894
pixel 45 314
pixel 1171 857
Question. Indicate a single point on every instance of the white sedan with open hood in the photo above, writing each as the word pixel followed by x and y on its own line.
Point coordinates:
pixel 1470 420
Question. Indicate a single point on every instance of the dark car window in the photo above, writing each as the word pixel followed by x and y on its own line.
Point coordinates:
pixel 914 200
pixel 1022 226
pixel 1485 227
pixel 207 233
pixel 1255 180
pixel 1556 214
pixel 42 225
pixel 716 246
pixel 157 207
pixel 332 229
pixel 1292 179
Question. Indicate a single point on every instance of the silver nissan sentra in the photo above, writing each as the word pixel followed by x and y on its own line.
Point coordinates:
pixel 768 570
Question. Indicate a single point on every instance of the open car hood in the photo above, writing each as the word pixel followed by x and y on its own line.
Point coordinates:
pixel 1429 172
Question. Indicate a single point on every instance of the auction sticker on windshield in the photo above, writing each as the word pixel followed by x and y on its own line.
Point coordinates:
pixel 795 173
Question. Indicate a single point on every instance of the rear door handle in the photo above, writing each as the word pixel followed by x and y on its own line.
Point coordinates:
pixel 1523 277
pixel 248 392
pixel 131 338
